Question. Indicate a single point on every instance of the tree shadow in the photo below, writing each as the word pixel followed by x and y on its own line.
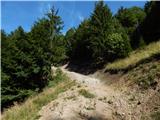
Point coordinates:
pixel 83 67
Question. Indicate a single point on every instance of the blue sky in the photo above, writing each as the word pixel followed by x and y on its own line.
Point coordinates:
pixel 14 14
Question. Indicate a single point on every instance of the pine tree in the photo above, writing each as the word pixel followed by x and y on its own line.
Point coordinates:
pixel 150 27
pixel 131 19
pixel 69 39
pixel 27 57
pixel 81 45
pixel 100 26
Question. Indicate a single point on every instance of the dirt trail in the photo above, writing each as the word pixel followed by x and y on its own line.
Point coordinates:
pixel 108 103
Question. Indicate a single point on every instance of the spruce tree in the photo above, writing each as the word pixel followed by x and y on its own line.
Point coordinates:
pixel 100 26
pixel 150 27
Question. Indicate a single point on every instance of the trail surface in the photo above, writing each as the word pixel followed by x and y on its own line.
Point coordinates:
pixel 108 103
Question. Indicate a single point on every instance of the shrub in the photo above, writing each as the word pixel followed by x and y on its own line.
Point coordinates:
pixel 117 47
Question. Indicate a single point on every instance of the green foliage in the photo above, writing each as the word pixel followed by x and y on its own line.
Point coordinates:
pixel 59 77
pixel 155 115
pixel 80 45
pixel 141 43
pixel 100 26
pixel 151 25
pixel 95 38
pixel 145 83
pixel 117 47
pixel 27 57
pixel 145 75
pixel 107 35
pixel 148 7
pixel 131 18
pixel 69 39
pixel 135 57
pixel 30 108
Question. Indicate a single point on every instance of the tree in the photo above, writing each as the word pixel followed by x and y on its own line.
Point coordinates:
pixel 96 37
pixel 16 67
pixel 148 7
pixel 100 26
pixel 131 18
pixel 27 57
pixel 69 39
pixel 46 32
pixel 106 35
pixel 117 44
pixel 81 45
pixel 117 47
pixel 151 25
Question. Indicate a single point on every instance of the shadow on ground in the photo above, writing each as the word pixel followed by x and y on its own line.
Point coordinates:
pixel 83 67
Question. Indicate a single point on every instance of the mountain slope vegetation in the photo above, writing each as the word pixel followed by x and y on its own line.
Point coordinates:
pixel 119 55
pixel 98 96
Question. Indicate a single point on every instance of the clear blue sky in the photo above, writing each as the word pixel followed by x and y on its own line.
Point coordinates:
pixel 14 14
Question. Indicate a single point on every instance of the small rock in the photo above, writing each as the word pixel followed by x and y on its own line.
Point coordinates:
pixel 110 102
pixel 138 103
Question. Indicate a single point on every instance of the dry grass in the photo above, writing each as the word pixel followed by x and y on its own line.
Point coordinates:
pixel 135 57
pixel 29 109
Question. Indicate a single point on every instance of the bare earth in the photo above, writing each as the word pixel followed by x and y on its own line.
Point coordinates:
pixel 111 102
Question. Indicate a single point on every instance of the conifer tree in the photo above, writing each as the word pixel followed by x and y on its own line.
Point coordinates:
pixel 100 26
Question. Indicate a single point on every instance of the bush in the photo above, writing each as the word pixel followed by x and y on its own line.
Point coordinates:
pixel 117 47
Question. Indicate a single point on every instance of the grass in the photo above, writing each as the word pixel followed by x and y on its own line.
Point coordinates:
pixel 73 97
pixel 86 94
pixel 135 57
pixel 155 115
pixel 30 108
pixel 146 75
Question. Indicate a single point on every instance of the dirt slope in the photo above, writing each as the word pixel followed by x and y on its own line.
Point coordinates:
pixel 110 102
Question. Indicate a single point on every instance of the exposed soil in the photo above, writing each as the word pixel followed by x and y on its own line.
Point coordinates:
pixel 112 101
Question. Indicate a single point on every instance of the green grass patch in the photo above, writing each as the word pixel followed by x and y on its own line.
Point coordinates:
pixel 135 57
pixel 145 75
pixel 57 78
pixel 86 94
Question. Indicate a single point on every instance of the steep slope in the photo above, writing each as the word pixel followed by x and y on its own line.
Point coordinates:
pixel 102 101
pixel 130 93
pixel 127 94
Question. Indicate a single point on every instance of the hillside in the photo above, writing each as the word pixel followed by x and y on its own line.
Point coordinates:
pixel 126 94
pixel 70 62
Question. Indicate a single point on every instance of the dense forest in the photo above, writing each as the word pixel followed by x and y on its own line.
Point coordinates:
pixel 27 57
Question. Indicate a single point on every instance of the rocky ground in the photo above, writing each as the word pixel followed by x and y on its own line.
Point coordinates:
pixel 100 101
